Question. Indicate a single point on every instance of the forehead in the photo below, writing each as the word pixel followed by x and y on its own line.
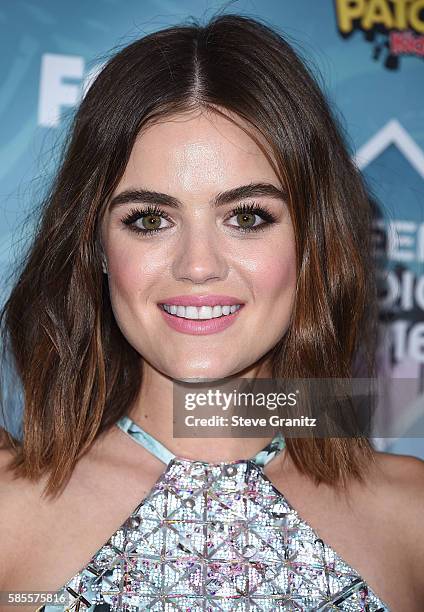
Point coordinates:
pixel 197 151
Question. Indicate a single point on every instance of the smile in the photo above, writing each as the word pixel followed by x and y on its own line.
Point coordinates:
pixel 200 315
pixel 202 312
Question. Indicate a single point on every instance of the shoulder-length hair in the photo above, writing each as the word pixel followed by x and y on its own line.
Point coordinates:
pixel 79 374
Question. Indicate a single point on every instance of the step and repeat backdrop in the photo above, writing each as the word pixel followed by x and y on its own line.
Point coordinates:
pixel 368 55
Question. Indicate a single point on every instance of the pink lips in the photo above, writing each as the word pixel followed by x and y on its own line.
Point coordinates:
pixel 200 326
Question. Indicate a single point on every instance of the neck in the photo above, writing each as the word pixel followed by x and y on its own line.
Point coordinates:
pixel 154 411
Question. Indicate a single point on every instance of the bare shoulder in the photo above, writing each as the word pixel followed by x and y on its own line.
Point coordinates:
pixel 17 498
pixel 401 483
pixel 401 478
pixel 9 509
pixel 404 471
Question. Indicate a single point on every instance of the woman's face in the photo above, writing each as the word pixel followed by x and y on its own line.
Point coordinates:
pixel 195 253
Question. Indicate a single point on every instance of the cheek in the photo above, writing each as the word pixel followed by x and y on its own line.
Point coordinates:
pixel 133 272
pixel 279 280
pixel 124 281
pixel 272 274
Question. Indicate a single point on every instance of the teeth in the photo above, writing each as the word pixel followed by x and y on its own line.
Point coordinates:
pixel 216 311
pixel 202 312
pixel 191 312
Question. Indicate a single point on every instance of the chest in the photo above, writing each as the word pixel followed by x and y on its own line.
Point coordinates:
pixel 58 538
pixel 364 531
pixel 63 537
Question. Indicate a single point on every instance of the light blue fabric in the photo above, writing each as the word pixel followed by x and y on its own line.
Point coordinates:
pixel 150 443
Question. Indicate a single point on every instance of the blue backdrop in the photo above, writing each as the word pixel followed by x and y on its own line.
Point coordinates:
pixel 369 58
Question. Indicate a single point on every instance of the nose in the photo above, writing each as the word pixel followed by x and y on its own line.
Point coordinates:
pixel 199 258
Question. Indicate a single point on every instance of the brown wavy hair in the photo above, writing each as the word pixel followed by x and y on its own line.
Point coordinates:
pixel 78 373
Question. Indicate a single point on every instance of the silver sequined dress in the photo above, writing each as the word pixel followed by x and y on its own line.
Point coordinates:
pixel 215 536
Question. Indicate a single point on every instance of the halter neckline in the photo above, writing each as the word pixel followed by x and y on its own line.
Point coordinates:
pixel 159 450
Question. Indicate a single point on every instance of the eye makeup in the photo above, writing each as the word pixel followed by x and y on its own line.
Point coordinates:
pixel 156 212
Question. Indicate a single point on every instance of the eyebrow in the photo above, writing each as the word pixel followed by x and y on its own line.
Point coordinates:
pixel 225 197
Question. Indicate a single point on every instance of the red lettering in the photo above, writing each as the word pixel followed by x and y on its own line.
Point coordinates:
pixel 406 43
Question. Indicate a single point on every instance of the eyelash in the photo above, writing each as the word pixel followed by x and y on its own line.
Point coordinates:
pixel 135 214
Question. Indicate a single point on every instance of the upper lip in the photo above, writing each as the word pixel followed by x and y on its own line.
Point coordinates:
pixel 201 300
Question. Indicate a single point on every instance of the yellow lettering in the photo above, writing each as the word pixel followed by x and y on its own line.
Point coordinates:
pixel 392 14
pixel 400 14
pixel 347 12
pixel 377 12
pixel 414 16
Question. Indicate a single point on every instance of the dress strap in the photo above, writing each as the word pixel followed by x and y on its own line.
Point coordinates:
pixel 145 439
pixel 271 450
pixel 150 443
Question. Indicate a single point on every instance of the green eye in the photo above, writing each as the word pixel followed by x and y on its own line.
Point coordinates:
pixel 149 219
pixel 246 219
pixel 151 222
pixel 251 217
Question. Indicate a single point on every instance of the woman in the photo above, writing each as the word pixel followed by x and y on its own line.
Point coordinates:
pixel 206 223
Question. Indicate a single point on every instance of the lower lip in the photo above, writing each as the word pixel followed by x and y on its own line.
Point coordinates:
pixel 200 327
